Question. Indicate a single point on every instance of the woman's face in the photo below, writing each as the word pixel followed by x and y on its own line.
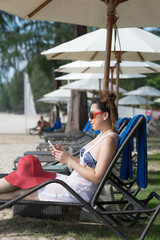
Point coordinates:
pixel 98 119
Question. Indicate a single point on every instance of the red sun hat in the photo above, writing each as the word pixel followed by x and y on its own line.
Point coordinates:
pixel 29 173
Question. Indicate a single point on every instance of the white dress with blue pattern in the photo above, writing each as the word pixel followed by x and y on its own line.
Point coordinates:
pixel 85 188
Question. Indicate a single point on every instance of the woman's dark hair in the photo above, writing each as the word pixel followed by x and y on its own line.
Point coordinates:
pixel 106 103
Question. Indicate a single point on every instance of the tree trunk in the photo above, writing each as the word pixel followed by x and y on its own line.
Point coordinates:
pixel 77 116
pixel 56 85
pixel 79 30
pixel 53 116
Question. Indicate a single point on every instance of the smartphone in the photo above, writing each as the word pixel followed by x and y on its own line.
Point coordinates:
pixel 51 144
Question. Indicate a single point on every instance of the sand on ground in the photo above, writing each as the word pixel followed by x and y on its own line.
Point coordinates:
pixel 14 138
pixel 14 145
pixel 16 124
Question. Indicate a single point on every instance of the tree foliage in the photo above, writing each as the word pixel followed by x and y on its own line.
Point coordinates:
pixel 22 42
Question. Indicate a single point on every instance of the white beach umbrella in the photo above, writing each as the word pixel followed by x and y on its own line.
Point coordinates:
pixel 88 85
pixel 145 91
pixel 135 45
pixel 126 67
pixel 86 12
pixel 77 76
pixel 62 93
pixel 133 100
pixel 157 100
pixel 96 13
pixel 54 99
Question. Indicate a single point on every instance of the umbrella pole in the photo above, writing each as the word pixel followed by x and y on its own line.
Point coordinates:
pixel 99 86
pixel 118 56
pixel 108 52
pixel 146 105
pixel 112 70
pixel 133 111
pixel 111 20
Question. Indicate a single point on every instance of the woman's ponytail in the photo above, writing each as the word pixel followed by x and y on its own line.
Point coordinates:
pixel 108 98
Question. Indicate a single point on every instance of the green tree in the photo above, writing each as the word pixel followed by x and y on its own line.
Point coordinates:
pixel 16 93
pixel 154 80
pixel 4 100
pixel 130 84
pixel 21 44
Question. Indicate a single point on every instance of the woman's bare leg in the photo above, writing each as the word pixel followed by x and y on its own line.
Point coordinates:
pixel 8 191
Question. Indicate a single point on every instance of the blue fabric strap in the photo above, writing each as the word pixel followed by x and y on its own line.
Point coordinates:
pixel 126 170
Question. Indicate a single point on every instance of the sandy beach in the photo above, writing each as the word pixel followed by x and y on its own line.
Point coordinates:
pixel 14 139
pixel 14 145
pixel 16 124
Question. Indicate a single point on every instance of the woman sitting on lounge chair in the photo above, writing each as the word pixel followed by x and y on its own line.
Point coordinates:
pixel 88 171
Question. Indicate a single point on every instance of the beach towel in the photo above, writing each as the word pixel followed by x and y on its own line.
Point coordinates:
pixel 57 124
pixel 126 171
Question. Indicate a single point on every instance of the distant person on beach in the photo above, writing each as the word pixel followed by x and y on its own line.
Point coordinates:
pixel 88 170
pixel 42 126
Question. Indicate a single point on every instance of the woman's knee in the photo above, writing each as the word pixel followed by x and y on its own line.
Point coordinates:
pixel 6 187
pixel 32 197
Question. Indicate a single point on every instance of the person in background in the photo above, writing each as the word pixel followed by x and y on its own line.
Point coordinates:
pixel 42 126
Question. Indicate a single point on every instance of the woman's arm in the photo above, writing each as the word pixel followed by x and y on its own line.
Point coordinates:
pixel 60 153
pixel 107 150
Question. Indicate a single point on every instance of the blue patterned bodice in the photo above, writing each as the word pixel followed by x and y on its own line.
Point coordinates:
pixel 85 153
pixel 88 159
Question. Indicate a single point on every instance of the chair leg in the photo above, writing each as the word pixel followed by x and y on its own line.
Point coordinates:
pixel 105 221
pixel 150 223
